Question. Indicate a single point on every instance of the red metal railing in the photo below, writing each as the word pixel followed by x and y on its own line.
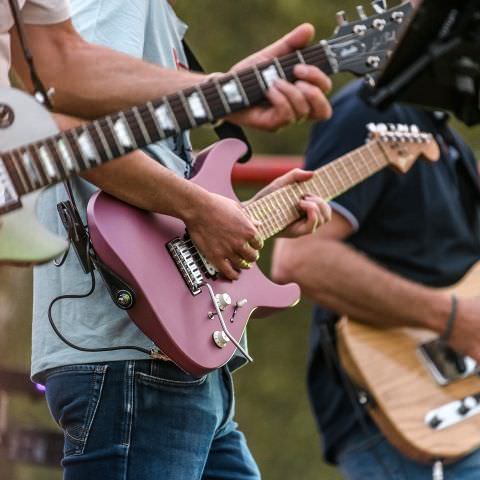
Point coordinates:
pixel 262 169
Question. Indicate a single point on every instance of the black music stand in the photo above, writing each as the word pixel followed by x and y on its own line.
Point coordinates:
pixel 437 62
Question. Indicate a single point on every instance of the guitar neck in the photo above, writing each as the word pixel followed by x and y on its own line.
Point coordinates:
pixel 49 161
pixel 278 210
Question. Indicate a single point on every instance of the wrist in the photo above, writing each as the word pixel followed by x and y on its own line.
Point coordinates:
pixel 195 201
pixel 439 311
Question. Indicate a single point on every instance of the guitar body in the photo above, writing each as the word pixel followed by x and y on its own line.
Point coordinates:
pixel 23 240
pixel 133 243
pixel 385 363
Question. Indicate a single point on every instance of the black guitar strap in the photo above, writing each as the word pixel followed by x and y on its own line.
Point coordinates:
pixel 225 129
pixel 40 92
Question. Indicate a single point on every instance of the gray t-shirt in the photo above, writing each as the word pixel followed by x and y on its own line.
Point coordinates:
pixel 150 30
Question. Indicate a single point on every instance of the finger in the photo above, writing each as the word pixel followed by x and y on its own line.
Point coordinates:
pixel 282 112
pixel 324 210
pixel 312 214
pixel 227 270
pixel 256 242
pixel 320 108
pixel 313 76
pixel 247 252
pixel 296 97
pixel 299 37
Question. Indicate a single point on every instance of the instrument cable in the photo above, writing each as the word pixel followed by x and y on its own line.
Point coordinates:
pixel 80 296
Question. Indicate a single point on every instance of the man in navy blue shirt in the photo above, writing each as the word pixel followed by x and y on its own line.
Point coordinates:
pixel 392 238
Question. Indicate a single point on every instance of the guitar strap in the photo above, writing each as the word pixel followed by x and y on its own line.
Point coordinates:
pixel 225 129
pixel 40 92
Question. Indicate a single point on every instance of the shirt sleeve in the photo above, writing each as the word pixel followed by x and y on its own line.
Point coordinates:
pixel 344 132
pixel 45 12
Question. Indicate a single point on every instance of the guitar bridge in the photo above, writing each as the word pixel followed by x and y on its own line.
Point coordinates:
pixel 192 265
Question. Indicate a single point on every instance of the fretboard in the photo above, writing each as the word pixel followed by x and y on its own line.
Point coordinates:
pixel 279 209
pixel 51 160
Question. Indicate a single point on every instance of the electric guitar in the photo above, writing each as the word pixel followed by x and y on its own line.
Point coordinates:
pixel 35 155
pixel 425 400
pixel 193 315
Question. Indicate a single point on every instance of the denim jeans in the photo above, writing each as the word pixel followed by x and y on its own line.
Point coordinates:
pixel 139 420
pixel 370 456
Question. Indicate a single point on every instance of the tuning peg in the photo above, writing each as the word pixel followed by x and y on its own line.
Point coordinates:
pixel 382 128
pixel 341 18
pixel 380 6
pixel 414 129
pixel 361 12
pixel 372 127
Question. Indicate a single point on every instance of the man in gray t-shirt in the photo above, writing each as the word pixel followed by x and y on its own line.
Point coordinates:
pixel 124 415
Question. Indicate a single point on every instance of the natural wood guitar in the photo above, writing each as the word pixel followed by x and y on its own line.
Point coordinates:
pixel 423 419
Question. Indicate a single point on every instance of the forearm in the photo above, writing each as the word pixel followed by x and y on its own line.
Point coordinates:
pixel 347 282
pixel 91 80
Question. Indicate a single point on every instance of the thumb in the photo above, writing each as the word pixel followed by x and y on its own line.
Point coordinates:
pixel 298 38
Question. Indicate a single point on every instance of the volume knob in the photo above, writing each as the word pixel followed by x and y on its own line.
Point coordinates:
pixel 220 338
pixel 223 300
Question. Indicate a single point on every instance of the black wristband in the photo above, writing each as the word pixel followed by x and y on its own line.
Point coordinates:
pixel 451 320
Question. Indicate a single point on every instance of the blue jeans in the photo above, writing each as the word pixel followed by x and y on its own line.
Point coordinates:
pixel 147 419
pixel 369 456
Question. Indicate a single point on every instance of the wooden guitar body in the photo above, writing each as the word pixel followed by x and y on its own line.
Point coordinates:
pixel 386 363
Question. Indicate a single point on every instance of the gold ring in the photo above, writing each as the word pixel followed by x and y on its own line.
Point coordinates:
pixel 244 264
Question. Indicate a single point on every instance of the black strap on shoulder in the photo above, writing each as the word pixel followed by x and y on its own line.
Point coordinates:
pixel 225 129
pixel 39 89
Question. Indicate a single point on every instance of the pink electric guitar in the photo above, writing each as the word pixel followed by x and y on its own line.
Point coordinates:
pixel 194 316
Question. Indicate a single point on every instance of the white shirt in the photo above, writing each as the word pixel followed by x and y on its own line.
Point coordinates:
pixel 37 12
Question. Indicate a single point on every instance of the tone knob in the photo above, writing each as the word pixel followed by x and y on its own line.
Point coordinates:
pixel 220 338
pixel 241 303
pixel 223 300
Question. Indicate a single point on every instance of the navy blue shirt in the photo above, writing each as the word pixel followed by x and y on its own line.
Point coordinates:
pixel 423 225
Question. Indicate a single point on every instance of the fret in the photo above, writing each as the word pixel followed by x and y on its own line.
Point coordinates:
pixel 346 170
pixel 121 149
pixel 270 75
pixel 135 128
pixel 245 99
pixel 343 184
pixel 52 147
pixel 166 118
pixel 223 99
pixel 332 183
pixel 300 57
pixel 17 156
pixel 73 142
pixel 355 165
pixel 271 210
pixel 259 80
pixel 280 69
pixel 87 146
pixel 232 92
pixel 187 109
pixel 283 215
pixel 26 187
pixel 47 162
pixel 103 140
pixel 291 208
pixel 159 129
pixel 142 126
pixel 66 154
pixel 265 219
pixel 34 155
pixel 124 132
pixel 206 107
pixel 9 194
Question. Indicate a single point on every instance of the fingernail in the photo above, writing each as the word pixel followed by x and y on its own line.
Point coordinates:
pixel 301 70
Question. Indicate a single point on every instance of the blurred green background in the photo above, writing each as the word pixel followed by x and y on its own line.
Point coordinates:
pixel 271 399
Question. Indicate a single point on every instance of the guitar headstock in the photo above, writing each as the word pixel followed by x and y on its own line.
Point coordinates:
pixel 403 144
pixel 362 46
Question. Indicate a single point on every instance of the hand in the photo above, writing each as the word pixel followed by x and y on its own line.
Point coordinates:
pixel 289 103
pixel 465 338
pixel 224 234
pixel 316 211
